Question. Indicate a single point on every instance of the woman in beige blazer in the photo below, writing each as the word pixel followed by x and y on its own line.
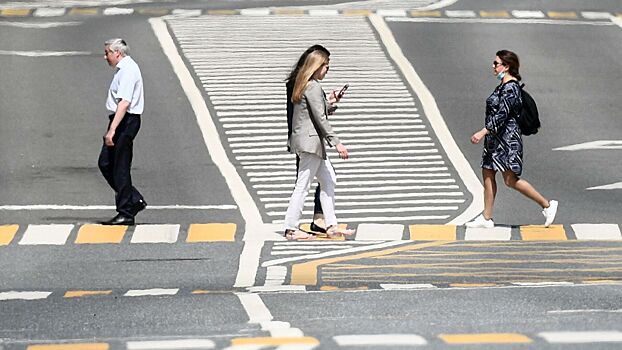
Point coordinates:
pixel 310 133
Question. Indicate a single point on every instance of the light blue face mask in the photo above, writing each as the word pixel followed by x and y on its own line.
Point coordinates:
pixel 501 75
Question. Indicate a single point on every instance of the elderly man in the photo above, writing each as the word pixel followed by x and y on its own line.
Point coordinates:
pixel 125 103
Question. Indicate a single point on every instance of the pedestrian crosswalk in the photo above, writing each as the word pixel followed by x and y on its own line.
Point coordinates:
pixel 397 171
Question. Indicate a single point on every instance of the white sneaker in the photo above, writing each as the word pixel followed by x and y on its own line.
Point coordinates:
pixel 480 222
pixel 549 213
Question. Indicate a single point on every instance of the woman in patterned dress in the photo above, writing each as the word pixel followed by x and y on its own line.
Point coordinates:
pixel 503 145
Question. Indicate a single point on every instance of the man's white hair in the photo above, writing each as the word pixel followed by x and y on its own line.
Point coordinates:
pixel 119 45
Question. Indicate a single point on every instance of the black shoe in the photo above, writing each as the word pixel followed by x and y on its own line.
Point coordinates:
pixel 316 228
pixel 139 206
pixel 120 219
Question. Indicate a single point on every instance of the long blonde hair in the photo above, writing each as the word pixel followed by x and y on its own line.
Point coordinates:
pixel 315 60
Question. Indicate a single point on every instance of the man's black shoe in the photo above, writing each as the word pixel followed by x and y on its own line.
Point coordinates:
pixel 139 206
pixel 119 220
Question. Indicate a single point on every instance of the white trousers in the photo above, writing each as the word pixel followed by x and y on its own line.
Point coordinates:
pixel 310 167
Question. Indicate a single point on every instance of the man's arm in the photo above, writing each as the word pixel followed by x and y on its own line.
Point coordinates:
pixel 122 108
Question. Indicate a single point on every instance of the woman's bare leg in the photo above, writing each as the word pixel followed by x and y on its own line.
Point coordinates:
pixel 490 191
pixel 524 187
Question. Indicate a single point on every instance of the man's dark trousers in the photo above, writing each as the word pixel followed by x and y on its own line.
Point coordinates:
pixel 115 163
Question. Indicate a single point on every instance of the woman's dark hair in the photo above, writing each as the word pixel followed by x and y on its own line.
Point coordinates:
pixel 510 59
pixel 303 57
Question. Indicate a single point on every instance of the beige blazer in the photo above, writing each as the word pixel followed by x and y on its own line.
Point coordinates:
pixel 310 127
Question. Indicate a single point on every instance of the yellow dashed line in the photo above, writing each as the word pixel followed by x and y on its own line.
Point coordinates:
pixel 274 341
pixel 494 14
pixel 98 234
pixel 485 338
pixel 425 13
pixel 222 12
pixel 288 12
pixel 333 288
pixel 211 233
pixel 306 273
pixel 432 232
pixel 619 14
pixel 562 14
pixel 82 11
pixel 541 233
pixel 15 12
pixel 356 12
pixel 85 293
pixel 153 11
pixel 75 346
pixel 7 233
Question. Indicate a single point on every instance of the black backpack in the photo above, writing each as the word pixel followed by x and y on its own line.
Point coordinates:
pixel 529 119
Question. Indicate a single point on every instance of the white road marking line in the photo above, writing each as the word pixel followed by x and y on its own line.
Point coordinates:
pixel 428 102
pixel 528 14
pixel 613 186
pixel 32 295
pixel 49 12
pixel 113 11
pixel 112 207
pixel 379 339
pixel 46 234
pixel 497 21
pixel 151 292
pixel 406 286
pixel 461 14
pixel 186 13
pixel 597 231
pixel 39 53
pixel 549 283
pixel 41 25
pixel 582 337
pixel 370 232
pixel 616 20
pixel 185 344
pixel 596 15
pixel 581 311
pixel 488 234
pixel 599 144
pixel 155 234
pixel 389 219
pixel 258 313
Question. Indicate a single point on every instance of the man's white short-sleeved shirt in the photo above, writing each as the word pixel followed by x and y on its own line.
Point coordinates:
pixel 127 84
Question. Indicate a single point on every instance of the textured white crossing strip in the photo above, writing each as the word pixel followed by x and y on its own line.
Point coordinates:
pixel 582 337
pixel 391 12
pixel 13 295
pixel 372 232
pixel 181 344
pixel 538 284
pixel 151 292
pixel 379 340
pixel 113 11
pixel 597 231
pixel 528 14
pixel 155 234
pixel 405 286
pixel 46 234
pixel 461 14
pixel 255 12
pixel 596 15
pixel 258 313
pixel 275 275
pixel 49 12
pixel 488 234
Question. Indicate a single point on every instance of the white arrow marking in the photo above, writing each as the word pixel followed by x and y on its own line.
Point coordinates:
pixel 600 144
pixel 613 186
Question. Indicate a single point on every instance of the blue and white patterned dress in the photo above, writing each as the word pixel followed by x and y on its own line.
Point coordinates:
pixel 503 145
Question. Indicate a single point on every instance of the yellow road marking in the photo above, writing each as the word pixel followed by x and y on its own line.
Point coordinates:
pixel 211 233
pixel 7 233
pixel 98 234
pixel 494 14
pixel 432 232
pixel 485 338
pixel 288 12
pixel 562 14
pixel 602 281
pixel 82 11
pixel 274 341
pixel 15 12
pixel 334 288
pixel 74 346
pixel 356 12
pixel 154 11
pixel 306 273
pixel 222 12
pixel 425 13
pixel 85 293
pixel 541 233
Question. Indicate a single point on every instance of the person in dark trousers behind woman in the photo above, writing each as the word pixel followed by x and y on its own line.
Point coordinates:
pixel 503 145
pixel 318 224
pixel 125 103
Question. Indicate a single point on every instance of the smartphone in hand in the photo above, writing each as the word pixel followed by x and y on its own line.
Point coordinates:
pixel 342 91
